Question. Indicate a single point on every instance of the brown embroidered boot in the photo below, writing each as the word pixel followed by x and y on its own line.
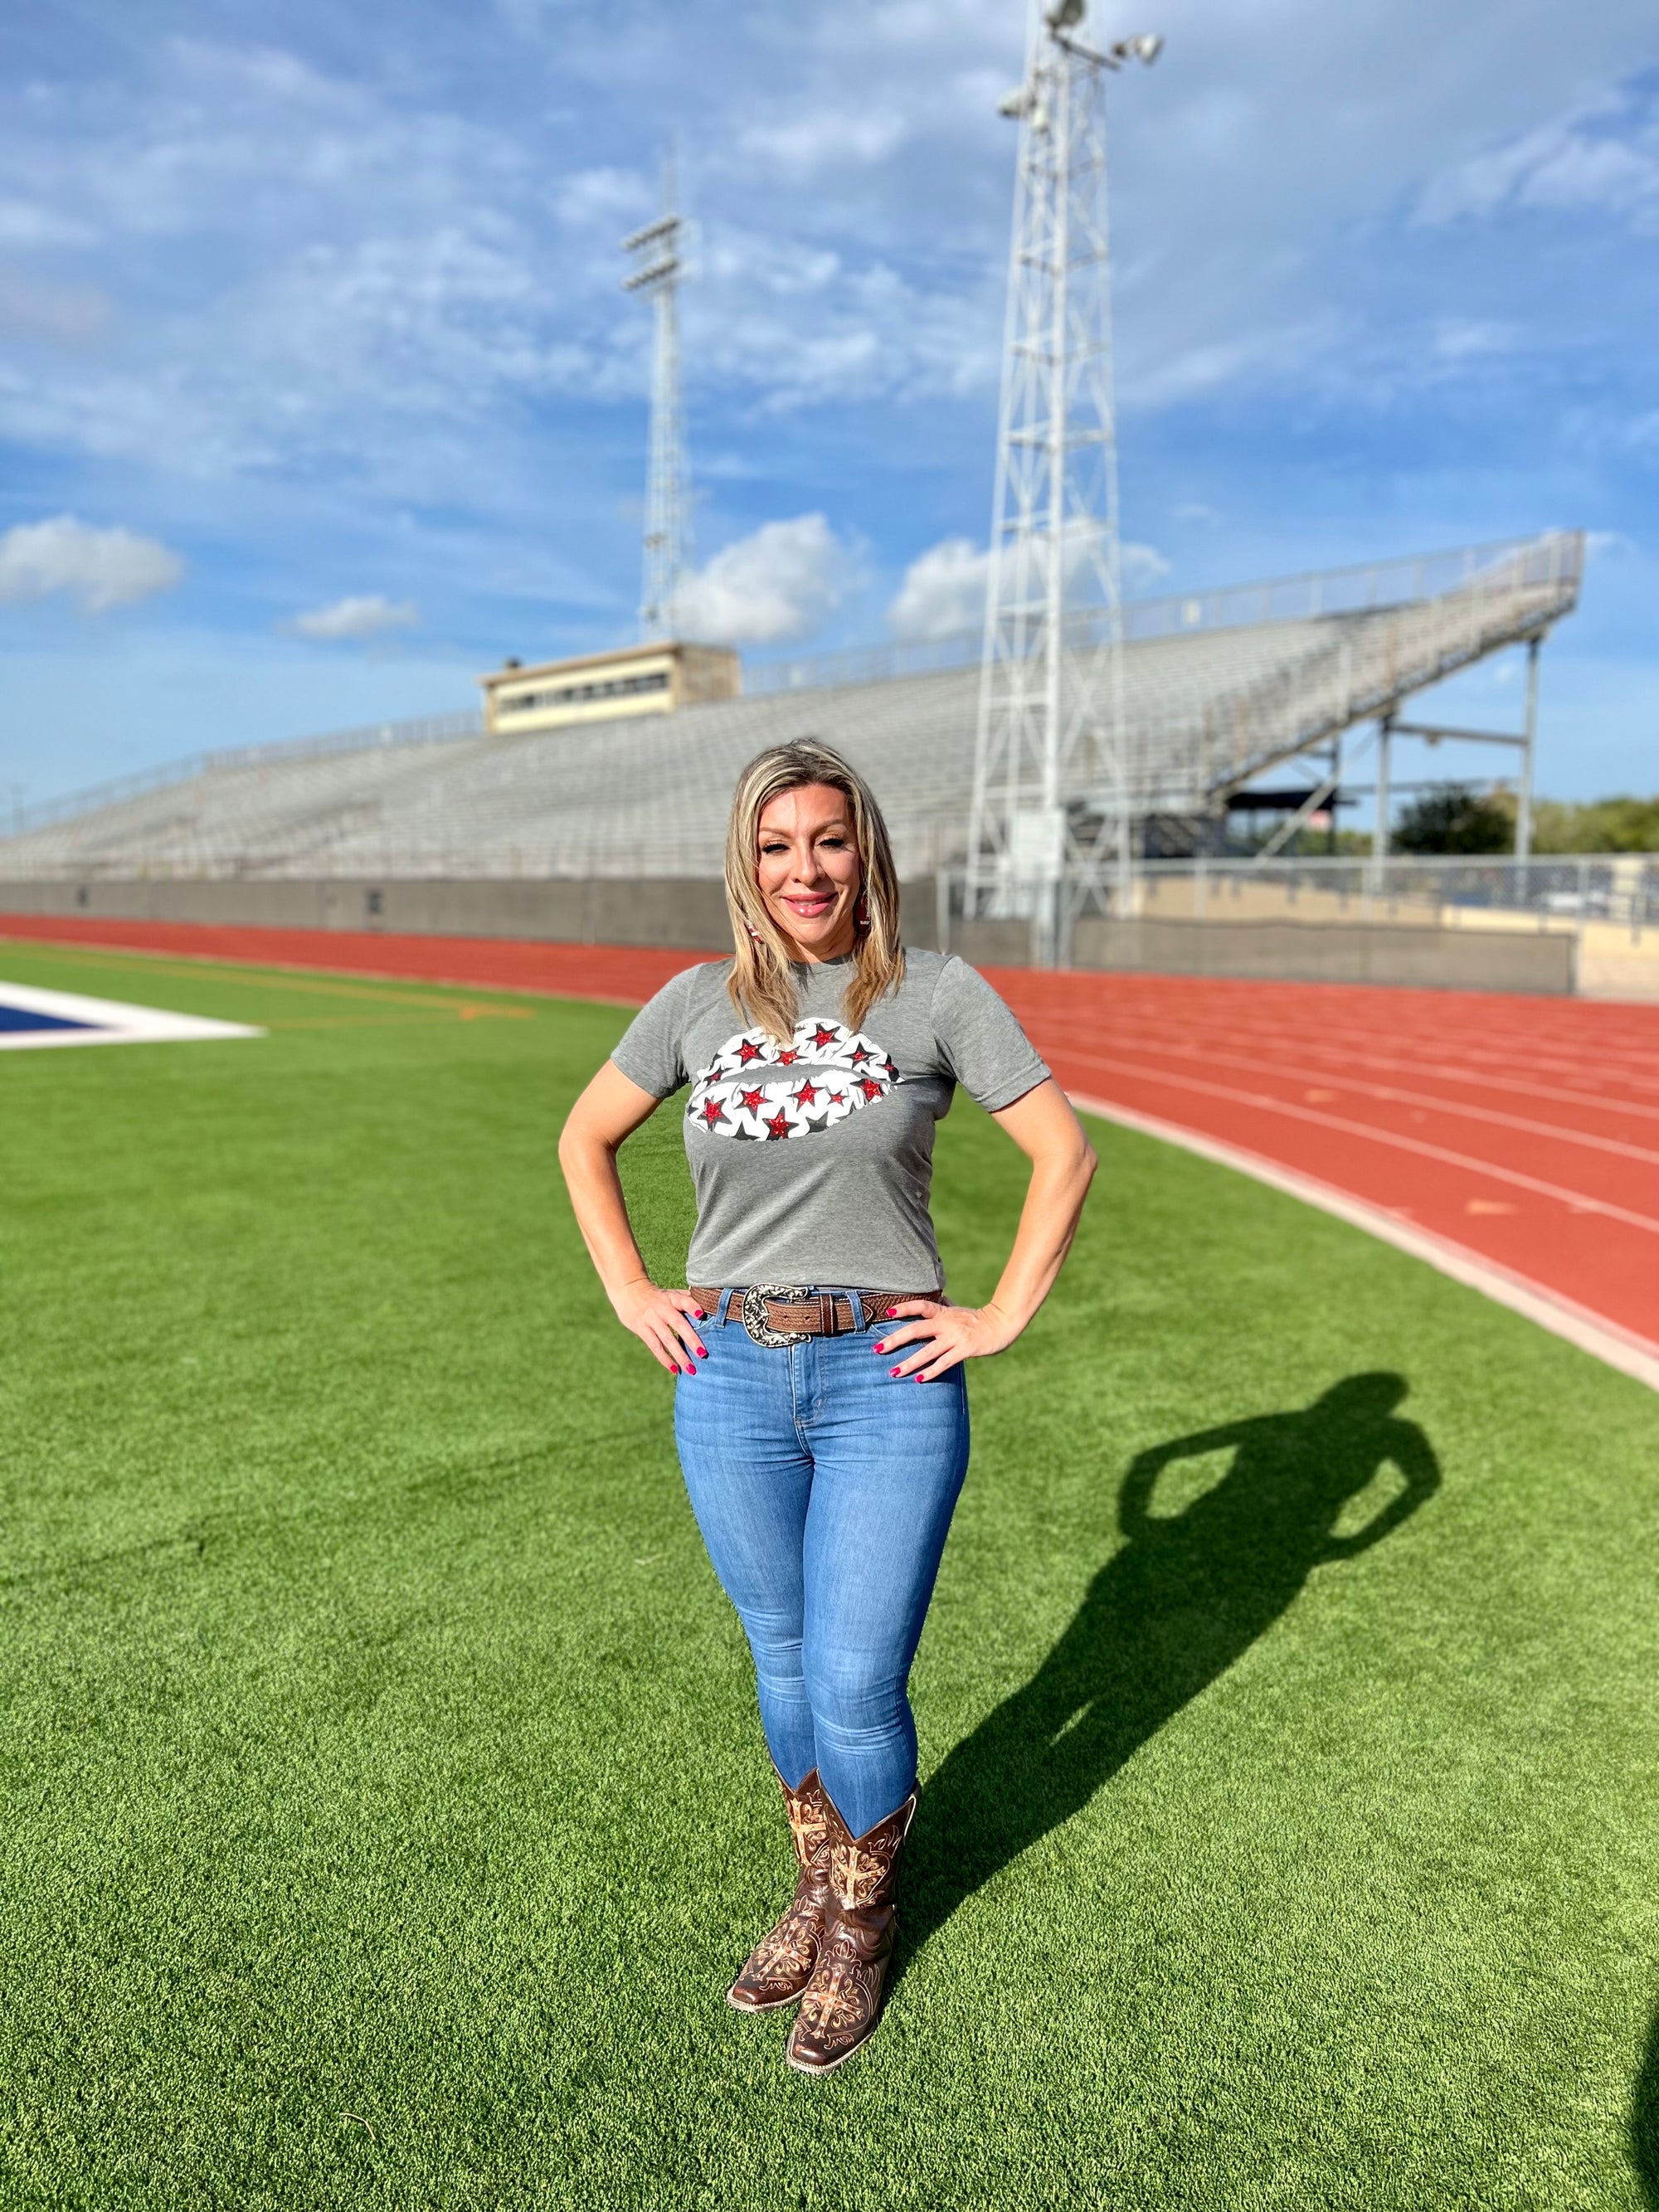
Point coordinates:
pixel 781 1965
pixel 843 1998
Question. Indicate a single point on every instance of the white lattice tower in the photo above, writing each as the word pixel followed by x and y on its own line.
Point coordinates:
pixel 657 272
pixel 1051 719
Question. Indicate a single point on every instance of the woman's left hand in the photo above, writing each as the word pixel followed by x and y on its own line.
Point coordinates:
pixel 945 1335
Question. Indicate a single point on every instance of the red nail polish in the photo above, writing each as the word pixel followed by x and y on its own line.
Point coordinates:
pixel 881 1347
pixel 699 1314
pixel 893 1371
pixel 702 1352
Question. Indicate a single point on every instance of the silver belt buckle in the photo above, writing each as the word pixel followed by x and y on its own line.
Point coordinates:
pixel 754 1314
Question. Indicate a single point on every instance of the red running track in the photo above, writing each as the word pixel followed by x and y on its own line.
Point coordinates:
pixel 1513 1141
pixel 1518 1135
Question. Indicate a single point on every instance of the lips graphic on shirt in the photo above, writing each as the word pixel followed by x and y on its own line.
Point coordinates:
pixel 757 1089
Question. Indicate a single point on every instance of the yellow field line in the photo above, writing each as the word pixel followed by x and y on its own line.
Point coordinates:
pixel 403 1021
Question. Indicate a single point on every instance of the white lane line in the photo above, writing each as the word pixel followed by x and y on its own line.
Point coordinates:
pixel 1351 1054
pixel 109 1021
pixel 1607 1341
pixel 1580 1201
pixel 1211 1057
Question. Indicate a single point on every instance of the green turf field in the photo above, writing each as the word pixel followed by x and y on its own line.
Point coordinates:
pixel 384 1806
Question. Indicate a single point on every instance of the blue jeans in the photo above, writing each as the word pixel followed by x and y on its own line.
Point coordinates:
pixel 823 1490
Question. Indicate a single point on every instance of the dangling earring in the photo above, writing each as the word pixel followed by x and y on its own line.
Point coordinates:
pixel 861 915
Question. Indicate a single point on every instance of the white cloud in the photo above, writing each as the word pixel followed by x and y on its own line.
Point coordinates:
pixel 825 139
pixel 1458 338
pixel 101 569
pixel 782 581
pixel 370 614
pixel 63 314
pixel 22 224
pixel 1579 161
pixel 944 589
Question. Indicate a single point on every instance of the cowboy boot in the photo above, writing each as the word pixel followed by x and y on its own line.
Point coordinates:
pixel 843 1998
pixel 781 1965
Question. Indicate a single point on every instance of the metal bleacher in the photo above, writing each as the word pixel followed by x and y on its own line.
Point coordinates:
pixel 1218 688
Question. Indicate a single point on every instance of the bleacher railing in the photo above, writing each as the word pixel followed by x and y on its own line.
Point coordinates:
pixel 367 737
pixel 1555 560
pixel 1570 894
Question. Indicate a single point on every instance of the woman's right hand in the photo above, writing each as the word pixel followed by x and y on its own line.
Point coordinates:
pixel 665 1322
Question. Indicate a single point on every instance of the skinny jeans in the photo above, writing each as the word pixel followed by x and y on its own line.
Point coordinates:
pixel 823 1489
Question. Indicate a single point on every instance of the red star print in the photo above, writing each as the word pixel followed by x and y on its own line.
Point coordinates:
pixel 779 1124
pixel 822 1037
pixel 869 1086
pixel 713 1111
pixel 837 1098
pixel 746 1052
pixel 787 1058
pixel 754 1100
pixel 806 1094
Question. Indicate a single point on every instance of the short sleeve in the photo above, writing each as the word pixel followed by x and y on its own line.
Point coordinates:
pixel 651 1050
pixel 989 1054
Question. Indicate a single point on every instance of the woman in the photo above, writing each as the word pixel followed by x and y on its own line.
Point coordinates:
pixel 820 1057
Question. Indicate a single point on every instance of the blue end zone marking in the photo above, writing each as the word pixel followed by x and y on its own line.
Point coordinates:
pixel 30 1019
pixel 22 1017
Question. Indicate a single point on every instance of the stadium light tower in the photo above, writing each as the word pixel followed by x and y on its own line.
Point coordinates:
pixel 658 267
pixel 1054 523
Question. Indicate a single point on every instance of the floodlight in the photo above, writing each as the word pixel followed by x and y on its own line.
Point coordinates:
pixel 1066 15
pixel 1015 103
pixel 1146 48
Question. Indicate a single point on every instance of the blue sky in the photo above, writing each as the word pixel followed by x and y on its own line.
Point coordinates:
pixel 319 393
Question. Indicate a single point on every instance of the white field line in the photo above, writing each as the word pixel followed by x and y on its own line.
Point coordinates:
pixel 1604 1339
pixel 1580 1201
pixel 1210 1056
pixel 111 1021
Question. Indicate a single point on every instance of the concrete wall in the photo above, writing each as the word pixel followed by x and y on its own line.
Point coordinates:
pixel 665 910
pixel 1447 959
pixel 676 912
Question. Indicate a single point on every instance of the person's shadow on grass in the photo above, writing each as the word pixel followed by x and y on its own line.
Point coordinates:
pixel 1182 1599
pixel 1644 2118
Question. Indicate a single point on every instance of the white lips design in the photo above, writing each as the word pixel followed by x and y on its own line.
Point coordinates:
pixel 757 1089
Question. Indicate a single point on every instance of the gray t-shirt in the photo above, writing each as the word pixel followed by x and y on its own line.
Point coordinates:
pixel 812 1161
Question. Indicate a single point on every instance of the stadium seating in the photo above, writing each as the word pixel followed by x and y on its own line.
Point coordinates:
pixel 1204 712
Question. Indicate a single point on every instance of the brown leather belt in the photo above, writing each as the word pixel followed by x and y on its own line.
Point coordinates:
pixel 777 1314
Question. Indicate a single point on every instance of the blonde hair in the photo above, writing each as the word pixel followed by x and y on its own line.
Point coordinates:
pixel 761 984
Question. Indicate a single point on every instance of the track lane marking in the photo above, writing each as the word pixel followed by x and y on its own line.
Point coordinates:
pixel 1211 1057
pixel 1608 1340
pixel 1348 1053
pixel 1331 1038
pixel 1581 1202
pixel 1108 1026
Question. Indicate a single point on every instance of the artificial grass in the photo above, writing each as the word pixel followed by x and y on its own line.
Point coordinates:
pixel 385 1807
